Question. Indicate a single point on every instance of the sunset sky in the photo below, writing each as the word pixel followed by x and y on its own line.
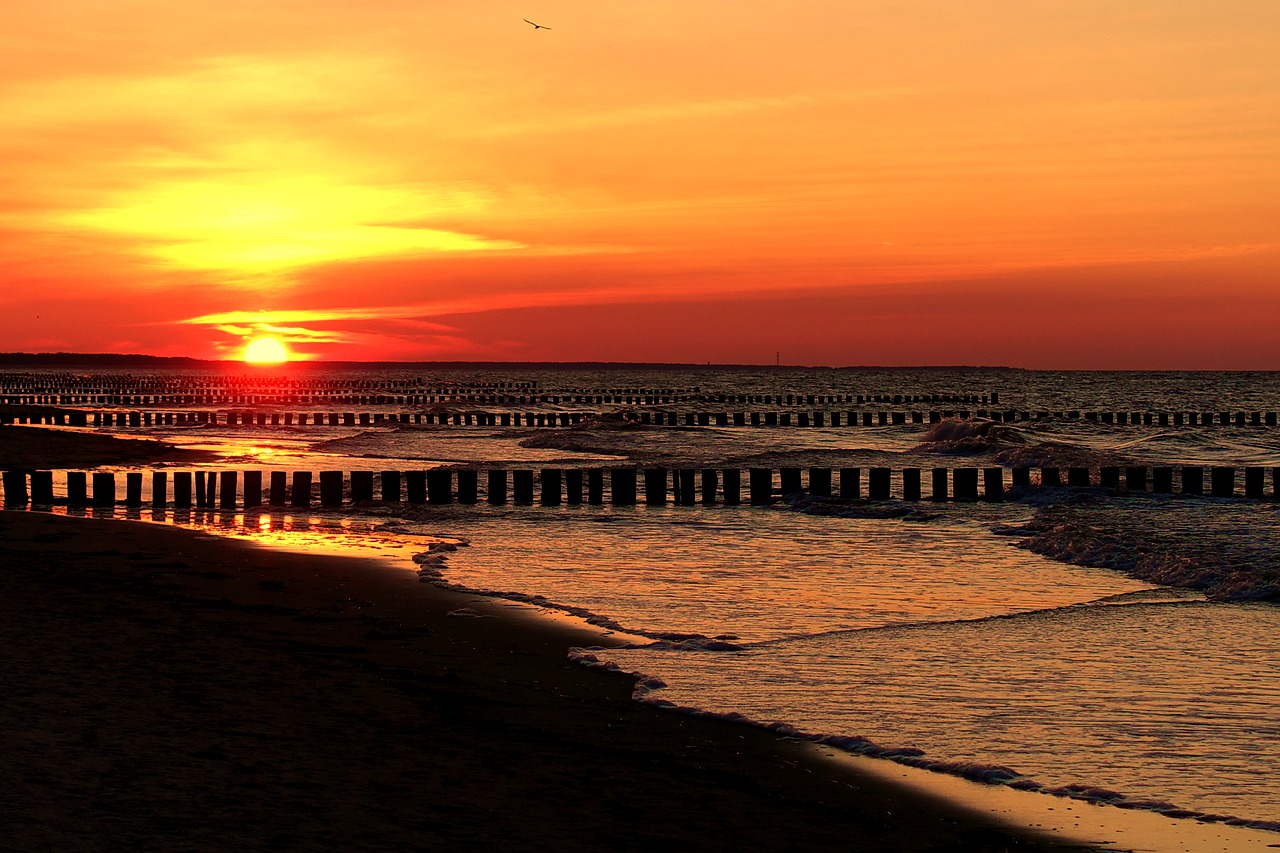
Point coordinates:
pixel 1037 183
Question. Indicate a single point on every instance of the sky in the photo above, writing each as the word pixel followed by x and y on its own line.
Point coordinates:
pixel 1031 183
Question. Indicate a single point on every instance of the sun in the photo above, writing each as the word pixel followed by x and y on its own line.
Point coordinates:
pixel 266 351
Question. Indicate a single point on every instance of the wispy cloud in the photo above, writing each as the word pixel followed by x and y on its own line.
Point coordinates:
pixel 676 111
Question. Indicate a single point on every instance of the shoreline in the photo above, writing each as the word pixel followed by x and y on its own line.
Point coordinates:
pixel 181 687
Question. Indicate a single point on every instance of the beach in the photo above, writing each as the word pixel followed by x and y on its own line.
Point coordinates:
pixel 169 689
pixel 407 673
pixel 172 690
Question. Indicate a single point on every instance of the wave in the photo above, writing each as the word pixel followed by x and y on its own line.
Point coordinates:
pixel 1228 549
pixel 646 686
pixel 1056 454
pixel 967 437
pixel 433 561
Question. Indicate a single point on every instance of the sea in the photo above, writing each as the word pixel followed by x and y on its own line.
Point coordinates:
pixel 1114 646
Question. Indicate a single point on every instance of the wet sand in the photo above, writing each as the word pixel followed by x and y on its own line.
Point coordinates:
pixel 28 448
pixel 171 690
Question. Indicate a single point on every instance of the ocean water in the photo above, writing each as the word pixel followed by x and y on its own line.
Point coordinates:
pixel 1116 647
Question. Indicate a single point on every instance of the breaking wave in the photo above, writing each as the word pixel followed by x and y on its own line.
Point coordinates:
pixel 1228 549
pixel 990 774
pixel 967 437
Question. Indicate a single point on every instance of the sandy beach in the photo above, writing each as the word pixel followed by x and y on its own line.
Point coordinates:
pixel 26 448
pixel 172 690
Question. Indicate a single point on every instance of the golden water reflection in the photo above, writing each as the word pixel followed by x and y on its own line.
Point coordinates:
pixel 306 533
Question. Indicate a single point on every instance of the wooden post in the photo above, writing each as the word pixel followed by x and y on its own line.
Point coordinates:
pixel 1021 477
pixel 965 484
pixel 732 478
pixel 77 488
pixel 939 477
pixel 42 488
pixel 252 489
pixel 1223 482
pixel 211 489
pixel 655 486
pixel 688 487
pixel 710 485
pixel 182 489
pixel 227 497
pixel 159 488
pixel 497 486
pixel 15 488
pixel 1162 479
pixel 761 484
pixel 1254 480
pixel 595 486
pixel 820 482
pixel 390 487
pixel 850 482
pixel 1135 478
pixel 1109 476
pixel 279 488
pixel 468 486
pixel 551 479
pixel 1192 480
pixel 1078 477
pixel 331 488
pixel 104 489
pixel 878 484
pixel 361 486
pixel 993 484
pixel 439 486
pixel 133 488
pixel 1050 477
pixel 911 484
pixel 522 486
pixel 201 493
pixel 622 486
pixel 573 486
pixel 790 482
pixel 300 496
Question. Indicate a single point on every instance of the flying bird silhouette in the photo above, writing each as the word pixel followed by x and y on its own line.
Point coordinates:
pixel 535 26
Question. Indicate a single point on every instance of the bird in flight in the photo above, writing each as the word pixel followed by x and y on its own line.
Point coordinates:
pixel 535 26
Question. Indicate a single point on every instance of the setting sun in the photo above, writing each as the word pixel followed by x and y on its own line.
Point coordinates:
pixel 266 351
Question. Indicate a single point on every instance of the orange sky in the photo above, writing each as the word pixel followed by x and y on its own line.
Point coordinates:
pixel 1026 182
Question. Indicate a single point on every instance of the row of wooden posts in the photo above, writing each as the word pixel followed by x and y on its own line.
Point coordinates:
pixel 683 486
pixel 64 399
pixel 628 398
pixel 654 418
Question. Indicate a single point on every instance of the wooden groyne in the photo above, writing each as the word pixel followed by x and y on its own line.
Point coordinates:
pixel 231 490
pixel 282 392
pixel 819 419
